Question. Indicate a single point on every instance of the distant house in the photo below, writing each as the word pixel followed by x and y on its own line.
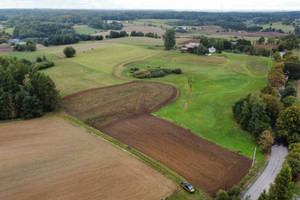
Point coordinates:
pixel 212 50
pixel 190 45
pixel 15 40
pixel 184 28
pixel 282 53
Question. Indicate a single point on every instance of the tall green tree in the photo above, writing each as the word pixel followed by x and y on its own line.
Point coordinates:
pixel 169 39
pixel 288 124
pixel 281 190
pixel 259 119
pixel 69 52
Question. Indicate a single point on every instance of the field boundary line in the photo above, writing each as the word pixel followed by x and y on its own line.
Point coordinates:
pixel 144 158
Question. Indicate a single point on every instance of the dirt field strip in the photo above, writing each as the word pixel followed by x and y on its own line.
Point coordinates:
pixel 255 34
pixel 122 112
pixel 50 158
pixel 5 49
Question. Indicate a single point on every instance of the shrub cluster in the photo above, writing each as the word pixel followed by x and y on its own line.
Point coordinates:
pixel 141 34
pixel 153 72
pixel 29 46
pixel 44 65
pixel 24 91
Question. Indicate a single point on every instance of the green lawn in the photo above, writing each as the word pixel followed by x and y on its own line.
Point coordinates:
pixel 216 83
pixel 93 68
pixel 84 29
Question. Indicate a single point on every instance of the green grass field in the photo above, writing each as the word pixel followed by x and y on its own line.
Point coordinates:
pixel 279 25
pixel 93 68
pixel 84 29
pixel 146 41
pixel 10 31
pixel 216 83
pixel 30 55
pixel 156 22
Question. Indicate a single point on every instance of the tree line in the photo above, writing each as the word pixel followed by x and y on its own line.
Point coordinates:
pixel 24 91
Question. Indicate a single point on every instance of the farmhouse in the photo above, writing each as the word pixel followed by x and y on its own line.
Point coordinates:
pixel 190 45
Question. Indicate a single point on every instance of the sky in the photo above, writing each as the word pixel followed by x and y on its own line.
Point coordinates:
pixel 195 5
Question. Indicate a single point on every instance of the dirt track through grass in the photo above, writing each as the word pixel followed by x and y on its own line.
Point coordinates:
pixel 49 158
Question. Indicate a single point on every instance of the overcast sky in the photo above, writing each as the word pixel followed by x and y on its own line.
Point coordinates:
pixel 220 5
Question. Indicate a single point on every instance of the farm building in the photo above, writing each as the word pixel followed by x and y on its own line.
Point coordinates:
pixel 190 45
pixel 212 50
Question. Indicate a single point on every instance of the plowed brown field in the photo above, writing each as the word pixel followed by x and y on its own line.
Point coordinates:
pixel 5 49
pixel 50 158
pixel 206 165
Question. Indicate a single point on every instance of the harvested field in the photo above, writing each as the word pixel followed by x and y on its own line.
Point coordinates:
pixel 144 29
pixel 5 49
pixel 267 46
pixel 100 106
pixel 50 158
pixel 255 34
pixel 123 112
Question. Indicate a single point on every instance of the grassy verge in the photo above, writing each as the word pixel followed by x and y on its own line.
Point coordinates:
pixel 178 194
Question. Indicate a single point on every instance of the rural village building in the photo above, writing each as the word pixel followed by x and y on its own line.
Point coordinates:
pixel 190 45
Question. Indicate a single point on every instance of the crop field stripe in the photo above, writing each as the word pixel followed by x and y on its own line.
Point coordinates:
pixel 170 174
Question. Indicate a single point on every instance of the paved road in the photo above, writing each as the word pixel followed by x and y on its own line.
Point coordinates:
pixel 268 176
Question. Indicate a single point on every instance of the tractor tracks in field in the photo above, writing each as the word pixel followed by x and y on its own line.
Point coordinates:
pixel 119 68
pixel 189 92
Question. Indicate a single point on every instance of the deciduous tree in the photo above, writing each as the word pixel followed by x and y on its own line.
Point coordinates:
pixel 169 39
pixel 266 141
pixel 288 123
pixel 69 52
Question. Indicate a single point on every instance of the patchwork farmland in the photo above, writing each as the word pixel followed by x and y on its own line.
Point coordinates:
pixel 122 112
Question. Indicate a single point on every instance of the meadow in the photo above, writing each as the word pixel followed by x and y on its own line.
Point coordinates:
pixel 209 87
pixel 31 56
pixel 279 25
pixel 84 29
pixel 94 68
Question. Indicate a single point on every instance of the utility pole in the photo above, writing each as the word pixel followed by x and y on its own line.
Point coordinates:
pixel 254 157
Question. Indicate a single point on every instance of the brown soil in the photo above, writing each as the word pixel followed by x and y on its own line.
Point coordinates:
pixel 189 41
pixel 255 34
pixel 267 46
pixel 206 165
pixel 50 158
pixel 5 49
pixel 104 105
